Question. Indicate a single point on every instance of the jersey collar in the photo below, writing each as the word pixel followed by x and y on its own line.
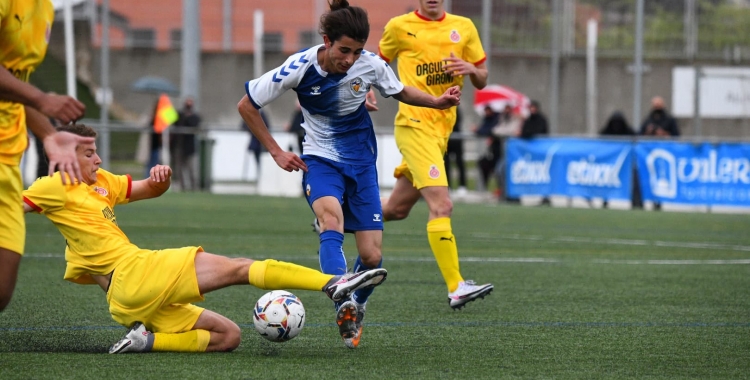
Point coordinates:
pixel 416 12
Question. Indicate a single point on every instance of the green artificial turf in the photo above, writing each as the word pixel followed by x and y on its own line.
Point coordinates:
pixel 579 294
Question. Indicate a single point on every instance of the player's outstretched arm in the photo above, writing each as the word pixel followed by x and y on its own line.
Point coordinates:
pixel 286 160
pixel 415 97
pixel 157 183
pixel 60 107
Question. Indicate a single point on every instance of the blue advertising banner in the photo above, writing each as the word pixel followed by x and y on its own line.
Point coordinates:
pixel 569 167
pixel 706 174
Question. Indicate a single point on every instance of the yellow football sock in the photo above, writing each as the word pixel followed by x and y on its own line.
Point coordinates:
pixel 272 274
pixel 191 341
pixel 443 245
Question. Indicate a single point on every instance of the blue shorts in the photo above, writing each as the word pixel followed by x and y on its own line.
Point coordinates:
pixel 355 186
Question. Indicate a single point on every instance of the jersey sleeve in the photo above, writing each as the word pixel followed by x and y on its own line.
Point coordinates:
pixel 46 194
pixel 387 82
pixel 473 51
pixel 389 43
pixel 125 184
pixel 272 84
pixel 119 187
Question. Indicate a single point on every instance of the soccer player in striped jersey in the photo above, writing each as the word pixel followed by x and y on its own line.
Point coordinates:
pixel 151 291
pixel 339 150
pixel 25 28
pixel 435 51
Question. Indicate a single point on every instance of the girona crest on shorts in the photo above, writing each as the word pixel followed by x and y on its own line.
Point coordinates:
pixel 434 172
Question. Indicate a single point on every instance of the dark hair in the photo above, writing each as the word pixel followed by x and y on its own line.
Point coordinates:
pixel 345 20
pixel 78 129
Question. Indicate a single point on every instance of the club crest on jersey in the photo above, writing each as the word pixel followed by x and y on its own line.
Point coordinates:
pixel 455 37
pixel 356 84
pixel 434 172
pixel 101 191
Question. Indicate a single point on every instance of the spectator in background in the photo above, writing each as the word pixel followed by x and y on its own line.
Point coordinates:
pixel 456 151
pixel 155 150
pixel 617 125
pixel 255 147
pixel 659 122
pixel 509 126
pixel 183 145
pixel 295 126
pixel 536 123
pixel 489 158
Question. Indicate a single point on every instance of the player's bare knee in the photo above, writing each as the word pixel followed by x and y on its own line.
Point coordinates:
pixel 443 209
pixel 398 213
pixel 234 337
pixel 371 259
pixel 230 338
pixel 330 221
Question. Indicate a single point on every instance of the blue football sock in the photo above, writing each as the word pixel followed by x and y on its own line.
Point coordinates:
pixel 331 255
pixel 361 295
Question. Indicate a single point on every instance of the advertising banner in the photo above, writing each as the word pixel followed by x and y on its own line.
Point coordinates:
pixel 703 173
pixel 569 167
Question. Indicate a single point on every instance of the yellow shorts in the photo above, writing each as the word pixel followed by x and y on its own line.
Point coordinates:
pixel 12 222
pixel 422 161
pixel 156 288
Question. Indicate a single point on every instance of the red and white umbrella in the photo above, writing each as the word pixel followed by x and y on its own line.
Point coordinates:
pixel 497 96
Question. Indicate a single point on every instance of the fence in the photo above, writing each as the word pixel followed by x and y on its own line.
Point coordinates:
pixel 713 29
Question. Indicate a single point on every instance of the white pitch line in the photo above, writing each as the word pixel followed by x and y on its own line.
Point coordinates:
pixel 530 260
pixel 605 241
pixel 674 262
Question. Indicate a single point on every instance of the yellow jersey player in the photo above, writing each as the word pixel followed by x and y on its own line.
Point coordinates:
pixel 24 33
pixel 151 292
pixel 435 50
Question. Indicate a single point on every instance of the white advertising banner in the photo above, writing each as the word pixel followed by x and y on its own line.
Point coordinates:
pixel 724 92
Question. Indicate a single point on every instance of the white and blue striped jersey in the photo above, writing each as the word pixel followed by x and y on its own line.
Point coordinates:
pixel 337 124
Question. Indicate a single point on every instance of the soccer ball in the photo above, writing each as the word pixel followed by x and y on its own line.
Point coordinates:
pixel 279 316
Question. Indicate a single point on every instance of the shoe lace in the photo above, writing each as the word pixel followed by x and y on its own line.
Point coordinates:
pixel 470 282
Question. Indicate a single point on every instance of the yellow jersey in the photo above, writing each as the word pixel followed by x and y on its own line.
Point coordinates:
pixel 25 27
pixel 421 46
pixel 85 217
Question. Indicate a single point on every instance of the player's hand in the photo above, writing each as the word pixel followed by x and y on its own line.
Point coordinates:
pixel 61 107
pixel 61 151
pixel 457 66
pixel 450 98
pixel 289 161
pixel 371 101
pixel 160 173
